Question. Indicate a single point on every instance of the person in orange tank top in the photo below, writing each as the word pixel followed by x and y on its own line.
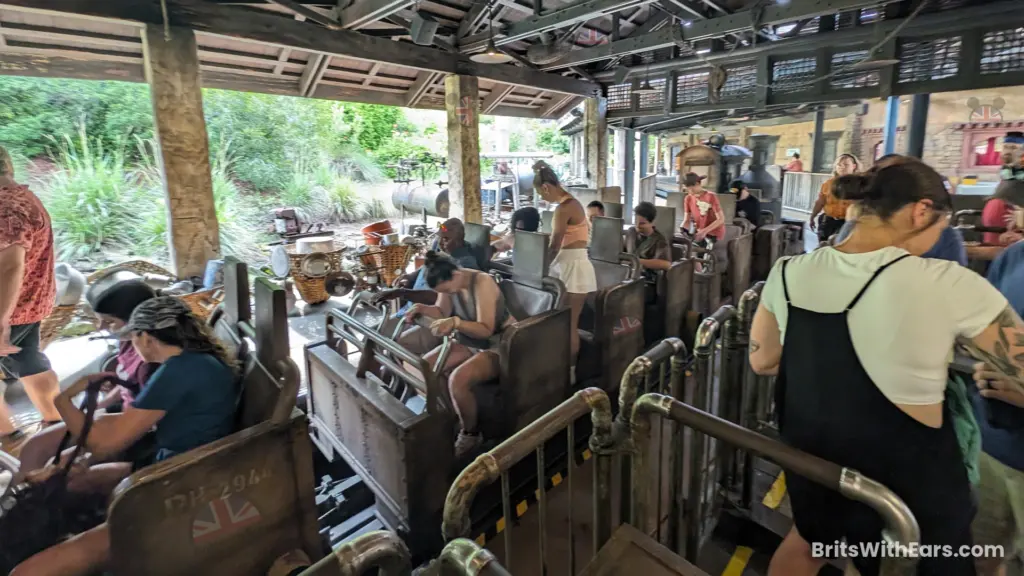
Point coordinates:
pixel 570 235
pixel 28 291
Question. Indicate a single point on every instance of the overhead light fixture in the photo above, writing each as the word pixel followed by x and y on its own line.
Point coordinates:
pixel 707 46
pixel 491 54
pixel 785 29
pixel 687 23
pixel 646 88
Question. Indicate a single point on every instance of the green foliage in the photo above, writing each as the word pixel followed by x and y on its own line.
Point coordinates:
pixel 90 198
pixel 397 149
pixel 551 139
pixel 515 142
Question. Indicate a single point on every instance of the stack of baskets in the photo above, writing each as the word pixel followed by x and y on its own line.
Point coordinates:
pixel 313 289
pixel 389 261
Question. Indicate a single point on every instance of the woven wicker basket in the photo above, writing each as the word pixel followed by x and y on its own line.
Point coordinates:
pixel 140 267
pixel 391 261
pixel 202 303
pixel 51 326
pixel 314 290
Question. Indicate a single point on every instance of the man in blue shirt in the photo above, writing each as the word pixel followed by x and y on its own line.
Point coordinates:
pixel 1000 415
pixel 451 239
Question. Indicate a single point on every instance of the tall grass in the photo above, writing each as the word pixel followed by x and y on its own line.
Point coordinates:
pixel 90 197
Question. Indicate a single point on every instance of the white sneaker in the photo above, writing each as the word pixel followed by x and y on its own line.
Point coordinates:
pixel 466 443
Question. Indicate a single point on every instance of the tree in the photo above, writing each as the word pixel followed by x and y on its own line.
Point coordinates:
pixel 551 139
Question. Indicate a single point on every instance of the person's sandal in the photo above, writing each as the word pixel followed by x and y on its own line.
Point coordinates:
pixel 13 443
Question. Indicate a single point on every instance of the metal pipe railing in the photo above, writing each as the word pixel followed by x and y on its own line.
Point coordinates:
pixel 494 465
pixel 900 525
pixel 756 390
pixel 703 473
pixel 464 557
pixel 382 550
pixel 637 379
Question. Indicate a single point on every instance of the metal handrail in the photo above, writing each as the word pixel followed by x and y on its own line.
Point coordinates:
pixel 901 526
pixel 425 323
pixel 382 550
pixel 494 465
pixel 429 385
pixel 466 558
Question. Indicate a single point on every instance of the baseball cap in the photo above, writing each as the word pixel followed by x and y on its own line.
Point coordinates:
pixel 156 314
pixel 692 179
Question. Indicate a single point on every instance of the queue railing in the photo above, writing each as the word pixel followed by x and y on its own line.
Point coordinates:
pixel 901 527
pixel 380 550
pixel 495 465
pixel 462 557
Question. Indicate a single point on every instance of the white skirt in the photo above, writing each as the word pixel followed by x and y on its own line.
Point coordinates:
pixel 574 269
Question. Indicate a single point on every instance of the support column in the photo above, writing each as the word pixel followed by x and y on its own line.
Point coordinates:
pixel 629 174
pixel 645 146
pixel 595 117
pixel 620 159
pixel 657 153
pixel 918 125
pixel 462 103
pixel 670 162
pixel 892 120
pixel 172 70
pixel 818 142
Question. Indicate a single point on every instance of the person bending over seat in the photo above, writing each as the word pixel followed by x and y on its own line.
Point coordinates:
pixel 113 309
pixel 470 307
pixel 526 220
pixel 650 246
pixel 859 336
pixel 451 239
pixel 570 261
pixel 594 209
pixel 702 209
pixel 747 205
pixel 188 402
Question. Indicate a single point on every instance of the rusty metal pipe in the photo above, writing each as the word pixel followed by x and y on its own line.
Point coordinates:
pixel 466 558
pixel 382 550
pixel 901 525
pixel 488 466
pixel 751 395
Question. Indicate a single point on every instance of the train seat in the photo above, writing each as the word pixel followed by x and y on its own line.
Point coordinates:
pixel 235 505
pixel 611 323
pixel 769 246
pixel 526 389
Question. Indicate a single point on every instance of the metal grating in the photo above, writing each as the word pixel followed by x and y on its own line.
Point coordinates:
pixel 653 100
pixel 692 89
pixel 620 96
pixel 796 75
pixel 1002 51
pixel 740 83
pixel 928 60
pixel 845 78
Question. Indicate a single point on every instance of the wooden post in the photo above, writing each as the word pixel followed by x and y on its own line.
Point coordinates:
pixel 172 70
pixel 595 120
pixel 462 102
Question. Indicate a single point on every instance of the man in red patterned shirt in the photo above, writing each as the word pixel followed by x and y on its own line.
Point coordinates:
pixel 27 294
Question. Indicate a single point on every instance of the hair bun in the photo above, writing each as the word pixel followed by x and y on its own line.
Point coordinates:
pixel 852 187
pixel 540 165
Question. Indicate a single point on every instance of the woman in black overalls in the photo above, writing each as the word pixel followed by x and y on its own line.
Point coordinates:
pixel 829 406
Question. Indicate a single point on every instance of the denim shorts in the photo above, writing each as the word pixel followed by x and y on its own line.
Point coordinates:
pixel 28 361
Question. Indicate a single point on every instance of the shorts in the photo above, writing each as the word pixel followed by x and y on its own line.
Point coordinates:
pixel 574 269
pixel 829 227
pixel 1000 517
pixel 30 360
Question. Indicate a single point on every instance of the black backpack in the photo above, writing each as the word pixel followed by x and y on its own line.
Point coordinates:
pixel 34 517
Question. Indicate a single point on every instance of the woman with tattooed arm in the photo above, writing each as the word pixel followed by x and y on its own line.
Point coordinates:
pixel 860 337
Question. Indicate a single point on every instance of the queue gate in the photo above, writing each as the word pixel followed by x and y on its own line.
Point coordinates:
pixel 541 455
pixel 380 550
pixel 262 475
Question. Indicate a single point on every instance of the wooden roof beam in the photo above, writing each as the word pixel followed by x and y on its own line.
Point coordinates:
pixel 270 28
pixel 364 12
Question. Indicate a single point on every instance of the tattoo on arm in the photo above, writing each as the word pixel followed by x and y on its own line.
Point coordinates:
pixel 1005 354
pixel 754 346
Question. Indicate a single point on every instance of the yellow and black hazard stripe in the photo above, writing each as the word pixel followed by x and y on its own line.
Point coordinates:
pixel 523 505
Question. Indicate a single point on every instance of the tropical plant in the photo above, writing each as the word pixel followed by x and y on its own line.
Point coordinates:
pixel 89 196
